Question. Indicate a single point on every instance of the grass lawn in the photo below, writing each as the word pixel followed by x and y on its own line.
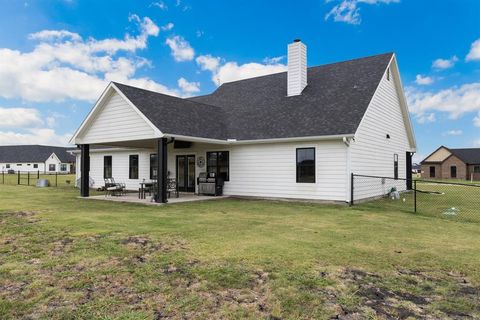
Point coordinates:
pixel 64 257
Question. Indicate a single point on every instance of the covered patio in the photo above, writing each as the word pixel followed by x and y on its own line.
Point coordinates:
pixel 133 198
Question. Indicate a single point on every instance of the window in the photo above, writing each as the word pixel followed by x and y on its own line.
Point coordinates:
pixel 395 166
pixel 8 166
pixel 153 166
pixel 19 164
pixel 35 165
pixel 306 165
pixel 52 167
pixel 107 167
pixel 432 172
pixel 218 163
pixel 133 166
pixel 28 164
pixel 63 167
pixel 453 172
pixel 476 169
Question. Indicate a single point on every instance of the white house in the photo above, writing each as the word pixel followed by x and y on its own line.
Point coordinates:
pixel 34 158
pixel 298 134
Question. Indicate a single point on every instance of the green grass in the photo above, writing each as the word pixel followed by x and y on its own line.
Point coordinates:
pixel 65 257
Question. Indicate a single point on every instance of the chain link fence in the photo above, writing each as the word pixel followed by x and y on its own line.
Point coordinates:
pixel 30 178
pixel 448 200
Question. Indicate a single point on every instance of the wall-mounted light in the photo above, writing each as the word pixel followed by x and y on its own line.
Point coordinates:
pixel 388 136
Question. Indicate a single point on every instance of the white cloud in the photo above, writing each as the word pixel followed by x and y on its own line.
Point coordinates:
pixel 159 4
pixel 476 120
pixel 273 60
pixel 19 118
pixel 44 136
pixel 188 87
pixel 445 63
pixel 421 80
pixel 232 71
pixel 181 49
pixel 453 133
pixel 455 101
pixel 168 26
pixel 426 118
pixel 474 53
pixel 63 65
pixel 348 11
pixel 208 62
pixel 476 143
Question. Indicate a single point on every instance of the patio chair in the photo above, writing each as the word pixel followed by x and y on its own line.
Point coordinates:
pixel 113 188
pixel 172 186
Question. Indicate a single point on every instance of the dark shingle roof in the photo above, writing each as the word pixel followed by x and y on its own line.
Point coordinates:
pixel 177 116
pixel 33 153
pixel 469 156
pixel 333 103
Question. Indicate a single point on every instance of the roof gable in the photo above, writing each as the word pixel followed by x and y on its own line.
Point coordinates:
pixel 439 155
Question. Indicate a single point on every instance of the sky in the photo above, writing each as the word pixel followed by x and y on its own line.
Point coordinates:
pixel 57 56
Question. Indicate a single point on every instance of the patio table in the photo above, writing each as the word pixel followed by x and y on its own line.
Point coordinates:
pixel 141 194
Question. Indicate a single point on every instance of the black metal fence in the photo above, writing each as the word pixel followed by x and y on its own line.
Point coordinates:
pixel 449 200
pixel 30 178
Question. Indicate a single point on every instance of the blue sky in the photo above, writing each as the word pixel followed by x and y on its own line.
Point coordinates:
pixel 57 56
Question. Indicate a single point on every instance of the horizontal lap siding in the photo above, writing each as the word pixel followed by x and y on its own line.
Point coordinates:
pixel 371 152
pixel 269 170
pixel 117 121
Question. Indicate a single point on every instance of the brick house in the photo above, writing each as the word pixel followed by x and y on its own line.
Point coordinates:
pixel 446 163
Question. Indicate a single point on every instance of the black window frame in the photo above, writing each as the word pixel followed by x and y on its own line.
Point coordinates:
pixel 105 167
pixel 63 167
pixel 453 171
pixel 7 166
pixel 395 166
pixel 50 167
pixel 476 169
pixel 218 171
pixel 35 166
pixel 133 167
pixel 433 169
pixel 300 166
pixel 153 166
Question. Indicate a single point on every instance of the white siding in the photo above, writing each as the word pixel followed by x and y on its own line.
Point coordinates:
pixel 261 170
pixel 371 152
pixel 23 166
pixel 116 121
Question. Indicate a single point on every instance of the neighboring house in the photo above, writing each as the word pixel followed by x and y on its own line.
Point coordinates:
pixel 446 163
pixel 36 158
pixel 297 134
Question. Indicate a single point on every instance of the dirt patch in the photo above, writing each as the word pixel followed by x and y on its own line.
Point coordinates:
pixel 60 246
pixel 374 297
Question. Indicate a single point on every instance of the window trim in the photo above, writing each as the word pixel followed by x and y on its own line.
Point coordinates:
pixel 314 165
pixel 7 166
pixel 63 167
pixel 50 167
pixel 104 166
pixel 451 171
pixel 476 169
pixel 153 166
pixel 130 157
pixel 434 172
pixel 35 166
pixel 216 165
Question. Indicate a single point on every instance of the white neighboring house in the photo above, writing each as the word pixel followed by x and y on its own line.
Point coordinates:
pixel 36 158
pixel 298 134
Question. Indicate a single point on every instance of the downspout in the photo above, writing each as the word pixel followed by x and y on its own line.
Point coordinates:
pixel 348 187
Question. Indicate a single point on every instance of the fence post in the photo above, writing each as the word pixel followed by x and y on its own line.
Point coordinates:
pixel 38 174
pixel 28 178
pixel 3 177
pixel 351 188
pixel 415 196
pixel 18 179
pixel 56 179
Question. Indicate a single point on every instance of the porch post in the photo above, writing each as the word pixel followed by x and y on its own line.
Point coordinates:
pixel 161 195
pixel 84 170
pixel 409 170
